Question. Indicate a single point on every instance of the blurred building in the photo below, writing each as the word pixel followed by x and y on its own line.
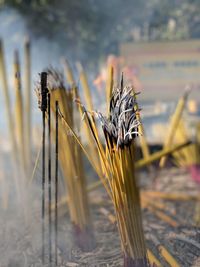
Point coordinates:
pixel 164 68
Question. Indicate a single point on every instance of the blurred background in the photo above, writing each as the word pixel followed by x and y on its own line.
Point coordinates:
pixel 155 43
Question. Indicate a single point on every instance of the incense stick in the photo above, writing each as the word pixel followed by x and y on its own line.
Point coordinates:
pixel 9 115
pixel 68 73
pixel 43 184
pixel 49 177
pixel 28 98
pixel 19 126
pixel 43 106
pixel 174 123
pixel 56 186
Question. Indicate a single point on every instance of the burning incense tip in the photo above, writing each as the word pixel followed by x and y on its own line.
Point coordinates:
pixel 122 125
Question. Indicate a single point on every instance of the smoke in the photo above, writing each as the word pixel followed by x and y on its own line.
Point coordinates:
pixel 20 227
pixel 20 218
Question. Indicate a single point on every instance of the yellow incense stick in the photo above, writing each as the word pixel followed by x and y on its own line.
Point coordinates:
pixel 85 86
pixel 19 112
pixel 109 86
pixel 68 73
pixel 168 257
pixel 7 101
pixel 174 123
pixel 9 117
pixel 153 260
pixel 27 107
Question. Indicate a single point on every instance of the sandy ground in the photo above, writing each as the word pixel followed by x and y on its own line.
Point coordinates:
pixel 20 242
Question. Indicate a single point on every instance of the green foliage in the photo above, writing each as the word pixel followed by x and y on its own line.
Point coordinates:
pixel 183 15
pixel 97 27
pixel 32 3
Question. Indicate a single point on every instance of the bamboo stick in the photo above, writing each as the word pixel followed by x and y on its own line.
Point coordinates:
pixel 109 86
pixel 146 201
pixel 68 73
pixel 110 216
pixel 142 139
pixel 28 105
pixel 19 113
pixel 168 257
pixel 174 123
pixel 164 217
pixel 9 115
pixel 153 260
pixel 172 196
pixel 85 86
pixel 159 154
pixel 197 208
pixel 7 99
pixel 165 253
pixel 189 156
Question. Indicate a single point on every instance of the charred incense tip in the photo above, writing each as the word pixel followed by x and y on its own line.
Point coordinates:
pixel 44 91
pixel 122 125
pixel 43 80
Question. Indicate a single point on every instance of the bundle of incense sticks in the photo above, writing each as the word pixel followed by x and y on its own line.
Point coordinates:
pixel 92 151
pixel 70 157
pixel 109 86
pixel 44 101
pixel 118 170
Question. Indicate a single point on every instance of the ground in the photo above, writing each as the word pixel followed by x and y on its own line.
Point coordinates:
pixel 21 243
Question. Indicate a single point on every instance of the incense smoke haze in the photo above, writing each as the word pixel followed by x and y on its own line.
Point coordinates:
pixel 88 31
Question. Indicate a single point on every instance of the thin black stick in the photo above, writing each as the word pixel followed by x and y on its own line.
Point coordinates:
pixel 56 187
pixel 43 185
pixel 43 107
pixel 49 176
